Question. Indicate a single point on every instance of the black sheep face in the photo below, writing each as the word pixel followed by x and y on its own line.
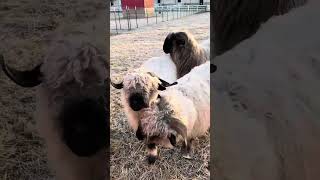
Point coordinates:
pixel 84 123
pixel 173 41
pixel 137 101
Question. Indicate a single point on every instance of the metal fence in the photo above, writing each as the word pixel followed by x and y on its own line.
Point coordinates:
pixel 122 20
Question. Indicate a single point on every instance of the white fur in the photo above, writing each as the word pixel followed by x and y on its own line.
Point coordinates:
pixel 163 67
pixel 205 44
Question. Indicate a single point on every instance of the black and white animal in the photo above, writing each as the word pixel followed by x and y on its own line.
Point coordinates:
pixel 72 107
pixel 185 51
pixel 182 109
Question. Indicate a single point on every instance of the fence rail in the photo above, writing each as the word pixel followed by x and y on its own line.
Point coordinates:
pixel 122 20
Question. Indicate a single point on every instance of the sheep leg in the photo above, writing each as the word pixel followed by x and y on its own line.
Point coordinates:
pixel 187 148
pixel 152 153
pixel 139 134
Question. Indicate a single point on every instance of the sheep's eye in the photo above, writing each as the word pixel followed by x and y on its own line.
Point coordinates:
pixel 180 42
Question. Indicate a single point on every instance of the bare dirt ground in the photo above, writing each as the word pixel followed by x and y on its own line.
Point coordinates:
pixel 25 33
pixel 128 161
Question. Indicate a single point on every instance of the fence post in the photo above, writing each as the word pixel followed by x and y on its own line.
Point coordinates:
pixel 135 8
pixel 129 18
pixel 162 12
pixel 118 12
pixel 115 20
pixel 178 12
pixel 172 12
pixel 167 14
pixel 147 15
pixel 155 10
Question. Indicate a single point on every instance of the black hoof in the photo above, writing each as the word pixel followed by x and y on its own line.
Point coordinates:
pixel 140 134
pixel 152 159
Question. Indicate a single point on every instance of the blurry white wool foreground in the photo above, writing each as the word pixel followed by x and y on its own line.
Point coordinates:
pixel 266 91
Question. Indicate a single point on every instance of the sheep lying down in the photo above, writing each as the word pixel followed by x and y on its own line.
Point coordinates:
pixel 182 109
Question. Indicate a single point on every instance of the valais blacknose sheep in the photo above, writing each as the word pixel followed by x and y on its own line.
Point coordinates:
pixel 140 87
pixel 185 51
pixel 71 109
pixel 182 109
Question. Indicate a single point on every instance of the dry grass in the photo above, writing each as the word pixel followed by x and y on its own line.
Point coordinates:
pixel 25 32
pixel 128 161
pixel 24 35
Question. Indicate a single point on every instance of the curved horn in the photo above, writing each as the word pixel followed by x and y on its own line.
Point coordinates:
pixel 180 128
pixel 167 45
pixel 29 78
pixel 117 86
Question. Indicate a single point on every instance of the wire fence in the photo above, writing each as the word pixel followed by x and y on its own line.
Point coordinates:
pixel 122 20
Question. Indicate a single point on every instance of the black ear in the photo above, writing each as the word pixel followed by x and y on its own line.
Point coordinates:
pixel 213 68
pixel 165 84
pixel 177 126
pixel 117 86
pixel 29 78
pixel 161 87
pixel 168 43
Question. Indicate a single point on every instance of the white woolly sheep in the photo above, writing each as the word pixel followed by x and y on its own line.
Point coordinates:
pixel 185 51
pixel 139 91
pixel 71 109
pixel 140 86
pixel 181 109
pixel 266 121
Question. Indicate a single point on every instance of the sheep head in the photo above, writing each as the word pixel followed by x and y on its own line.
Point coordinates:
pixel 73 82
pixel 176 40
pixel 141 88
pixel 162 121
pixel 185 51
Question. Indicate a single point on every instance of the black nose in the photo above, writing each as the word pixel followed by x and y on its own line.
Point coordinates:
pixel 84 126
pixel 136 102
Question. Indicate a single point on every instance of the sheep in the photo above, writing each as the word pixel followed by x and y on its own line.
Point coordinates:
pixel 185 51
pixel 266 121
pixel 140 87
pixel 205 44
pixel 162 66
pixel 236 20
pixel 71 108
pixel 182 109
